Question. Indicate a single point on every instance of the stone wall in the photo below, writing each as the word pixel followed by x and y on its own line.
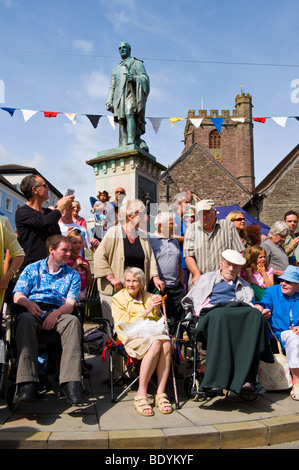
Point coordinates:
pixel 203 176
pixel 236 150
pixel 282 195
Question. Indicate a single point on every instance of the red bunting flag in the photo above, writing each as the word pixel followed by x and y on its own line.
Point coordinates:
pixel 50 114
pixel 259 119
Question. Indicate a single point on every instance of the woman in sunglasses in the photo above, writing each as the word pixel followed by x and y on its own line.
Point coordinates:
pixel 238 219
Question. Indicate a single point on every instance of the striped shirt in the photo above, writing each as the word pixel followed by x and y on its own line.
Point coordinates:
pixel 206 248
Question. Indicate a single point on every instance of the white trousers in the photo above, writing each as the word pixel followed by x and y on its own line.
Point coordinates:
pixel 291 341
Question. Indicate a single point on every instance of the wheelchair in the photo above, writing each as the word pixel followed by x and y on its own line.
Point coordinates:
pixel 130 374
pixel 49 355
pixel 196 364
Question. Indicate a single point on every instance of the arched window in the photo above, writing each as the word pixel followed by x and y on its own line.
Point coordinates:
pixel 214 139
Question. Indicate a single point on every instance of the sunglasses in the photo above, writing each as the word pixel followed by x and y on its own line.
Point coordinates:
pixel 239 220
pixel 43 185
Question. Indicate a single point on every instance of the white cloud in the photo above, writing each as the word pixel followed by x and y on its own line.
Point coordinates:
pixel 83 45
pixel 96 84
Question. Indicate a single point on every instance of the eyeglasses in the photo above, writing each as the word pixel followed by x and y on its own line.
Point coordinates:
pixel 43 185
pixel 239 220
pixel 120 192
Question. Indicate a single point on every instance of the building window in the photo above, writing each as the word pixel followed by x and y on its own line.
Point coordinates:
pixel 214 139
pixel 8 204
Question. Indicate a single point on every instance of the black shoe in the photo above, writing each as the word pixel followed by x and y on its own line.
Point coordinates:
pixel 27 391
pixel 72 391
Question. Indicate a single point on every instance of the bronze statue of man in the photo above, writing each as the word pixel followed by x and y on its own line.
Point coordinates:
pixel 127 97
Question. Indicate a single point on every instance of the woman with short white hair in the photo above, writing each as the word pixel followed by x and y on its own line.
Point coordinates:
pixel 132 304
pixel 273 246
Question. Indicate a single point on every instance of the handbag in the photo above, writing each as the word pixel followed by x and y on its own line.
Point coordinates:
pixel 275 376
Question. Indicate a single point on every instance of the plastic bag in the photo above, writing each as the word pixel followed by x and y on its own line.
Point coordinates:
pixel 141 328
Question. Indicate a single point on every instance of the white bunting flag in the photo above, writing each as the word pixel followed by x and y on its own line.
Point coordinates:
pixel 238 119
pixel 281 121
pixel 196 121
pixel 28 113
pixel 71 116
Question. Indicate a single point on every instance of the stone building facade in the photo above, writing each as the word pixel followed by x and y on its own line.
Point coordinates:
pixel 198 171
pixel 217 165
pixel 278 192
pixel 233 146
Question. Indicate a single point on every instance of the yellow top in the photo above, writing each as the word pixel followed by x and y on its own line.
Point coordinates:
pixel 126 309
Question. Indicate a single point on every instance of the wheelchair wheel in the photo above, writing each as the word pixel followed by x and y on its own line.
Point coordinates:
pixel 192 392
pixel 4 364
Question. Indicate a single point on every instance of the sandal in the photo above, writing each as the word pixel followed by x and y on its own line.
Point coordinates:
pixel 162 402
pixel 141 405
pixel 295 391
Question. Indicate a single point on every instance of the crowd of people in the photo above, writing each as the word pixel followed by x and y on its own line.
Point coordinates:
pixel 231 276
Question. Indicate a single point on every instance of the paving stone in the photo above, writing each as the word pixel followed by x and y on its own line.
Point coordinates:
pixel 242 434
pixel 282 428
pixel 137 439
pixel 195 437
pixel 78 440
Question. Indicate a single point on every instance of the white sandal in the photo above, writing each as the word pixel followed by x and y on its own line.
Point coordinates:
pixel 295 391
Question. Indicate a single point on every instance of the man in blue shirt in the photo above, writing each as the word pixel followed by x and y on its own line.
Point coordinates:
pixel 168 257
pixel 46 294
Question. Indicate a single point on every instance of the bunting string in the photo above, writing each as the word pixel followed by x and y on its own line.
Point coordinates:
pixel 155 121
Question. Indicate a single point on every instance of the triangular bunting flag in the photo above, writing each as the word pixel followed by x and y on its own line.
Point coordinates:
pixel 27 114
pixel 217 123
pixel 50 114
pixel 94 119
pixel 238 119
pixel 297 117
pixel 156 122
pixel 112 122
pixel 196 121
pixel 281 121
pixel 259 119
pixel 175 119
pixel 71 116
pixel 9 110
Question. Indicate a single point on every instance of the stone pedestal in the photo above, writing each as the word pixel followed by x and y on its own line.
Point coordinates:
pixel 129 167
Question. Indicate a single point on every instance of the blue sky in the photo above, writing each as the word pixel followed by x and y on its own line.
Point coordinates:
pixel 58 56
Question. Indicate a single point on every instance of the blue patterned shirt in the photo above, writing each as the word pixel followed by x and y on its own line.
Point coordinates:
pixel 39 285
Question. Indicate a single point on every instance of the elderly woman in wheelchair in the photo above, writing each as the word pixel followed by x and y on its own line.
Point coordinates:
pixel 131 307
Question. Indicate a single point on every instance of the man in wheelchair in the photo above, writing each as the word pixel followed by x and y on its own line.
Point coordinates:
pixel 44 297
pixel 232 329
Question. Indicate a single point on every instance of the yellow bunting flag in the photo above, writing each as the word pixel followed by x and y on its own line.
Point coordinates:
pixel 175 119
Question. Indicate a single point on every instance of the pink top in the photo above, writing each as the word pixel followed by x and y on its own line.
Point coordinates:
pixel 83 276
pixel 81 221
pixel 257 278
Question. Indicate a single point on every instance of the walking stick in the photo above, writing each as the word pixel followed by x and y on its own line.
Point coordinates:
pixel 172 366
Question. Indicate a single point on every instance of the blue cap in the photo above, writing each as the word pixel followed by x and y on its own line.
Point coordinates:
pixel 291 274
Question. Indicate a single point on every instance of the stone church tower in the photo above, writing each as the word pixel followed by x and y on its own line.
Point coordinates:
pixel 233 146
